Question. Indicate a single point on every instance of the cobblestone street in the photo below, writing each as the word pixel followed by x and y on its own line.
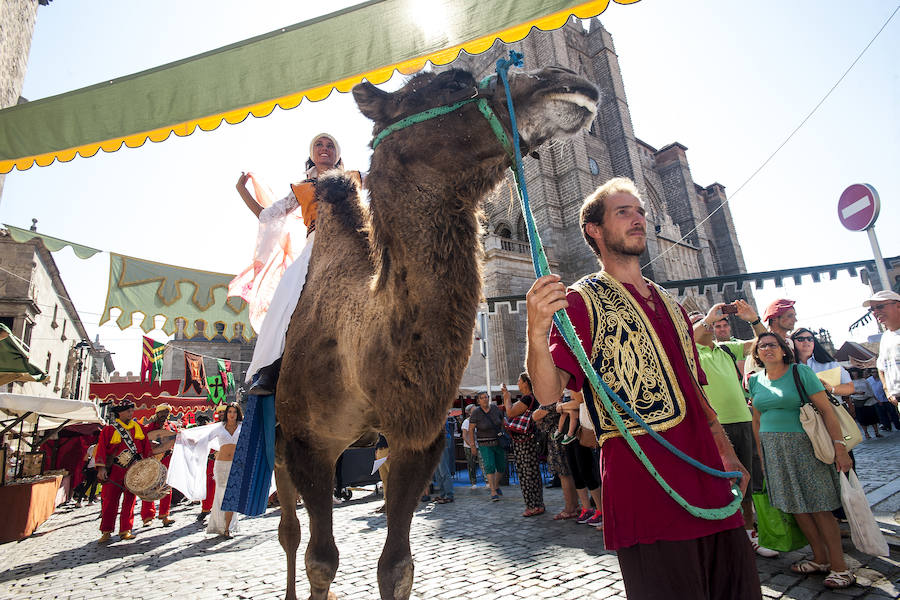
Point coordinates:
pixel 518 557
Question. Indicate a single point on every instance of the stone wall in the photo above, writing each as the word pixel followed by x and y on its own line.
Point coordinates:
pixel 17 19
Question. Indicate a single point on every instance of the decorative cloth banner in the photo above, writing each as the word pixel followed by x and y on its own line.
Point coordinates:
pixel 14 365
pixel 194 373
pixel 280 68
pixel 215 390
pixel 226 374
pixel 157 289
pixel 152 360
pixel 51 243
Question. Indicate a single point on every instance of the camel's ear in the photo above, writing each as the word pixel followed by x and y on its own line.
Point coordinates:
pixel 371 101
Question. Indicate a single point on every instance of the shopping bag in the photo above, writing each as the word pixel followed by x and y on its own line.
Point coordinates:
pixel 777 530
pixel 864 530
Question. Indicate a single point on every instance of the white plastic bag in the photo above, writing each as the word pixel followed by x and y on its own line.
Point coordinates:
pixel 864 530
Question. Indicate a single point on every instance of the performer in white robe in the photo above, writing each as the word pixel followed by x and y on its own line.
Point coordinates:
pixel 324 155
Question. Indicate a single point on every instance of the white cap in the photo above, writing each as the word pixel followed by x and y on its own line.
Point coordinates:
pixel 881 297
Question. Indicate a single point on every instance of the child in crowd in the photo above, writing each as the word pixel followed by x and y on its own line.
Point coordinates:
pixel 570 416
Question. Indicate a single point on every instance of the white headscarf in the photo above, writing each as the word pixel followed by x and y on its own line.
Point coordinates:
pixel 312 172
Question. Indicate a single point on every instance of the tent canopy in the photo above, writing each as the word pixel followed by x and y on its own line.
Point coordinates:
pixel 48 413
pixel 276 69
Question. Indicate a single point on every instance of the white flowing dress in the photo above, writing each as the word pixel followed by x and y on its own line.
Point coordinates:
pixel 221 468
pixel 272 334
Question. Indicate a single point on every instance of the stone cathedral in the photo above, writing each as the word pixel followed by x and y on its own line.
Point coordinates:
pixel 564 173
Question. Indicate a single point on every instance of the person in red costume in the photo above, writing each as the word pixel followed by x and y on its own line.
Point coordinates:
pixel 640 342
pixel 160 422
pixel 207 504
pixel 115 448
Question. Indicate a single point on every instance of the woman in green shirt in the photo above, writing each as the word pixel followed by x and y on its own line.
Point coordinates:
pixel 798 482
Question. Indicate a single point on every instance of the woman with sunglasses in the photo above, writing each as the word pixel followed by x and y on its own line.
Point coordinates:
pixel 798 482
pixel 811 353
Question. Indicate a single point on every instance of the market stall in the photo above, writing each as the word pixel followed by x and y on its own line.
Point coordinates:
pixel 28 494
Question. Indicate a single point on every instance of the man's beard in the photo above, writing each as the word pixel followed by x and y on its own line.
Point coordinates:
pixel 628 245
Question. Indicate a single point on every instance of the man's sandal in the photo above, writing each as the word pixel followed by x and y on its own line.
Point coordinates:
pixel 805 567
pixel 839 579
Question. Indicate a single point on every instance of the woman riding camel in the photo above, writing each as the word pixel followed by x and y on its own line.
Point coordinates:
pixel 324 155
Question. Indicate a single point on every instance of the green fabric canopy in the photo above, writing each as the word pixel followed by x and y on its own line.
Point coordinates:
pixel 14 364
pixel 275 69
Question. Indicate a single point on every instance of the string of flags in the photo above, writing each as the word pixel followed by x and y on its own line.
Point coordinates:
pixel 216 386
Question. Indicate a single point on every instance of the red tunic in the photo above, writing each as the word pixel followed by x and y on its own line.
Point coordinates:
pixel 105 447
pixel 636 509
pixel 112 491
pixel 148 507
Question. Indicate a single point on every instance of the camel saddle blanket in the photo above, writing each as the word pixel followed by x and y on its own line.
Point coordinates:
pixel 628 356
pixel 146 479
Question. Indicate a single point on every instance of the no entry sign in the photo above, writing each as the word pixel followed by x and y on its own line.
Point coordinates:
pixel 858 207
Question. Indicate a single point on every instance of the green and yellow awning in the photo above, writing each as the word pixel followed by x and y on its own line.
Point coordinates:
pixel 307 60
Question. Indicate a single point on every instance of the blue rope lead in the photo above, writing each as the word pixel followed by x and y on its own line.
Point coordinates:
pixel 564 324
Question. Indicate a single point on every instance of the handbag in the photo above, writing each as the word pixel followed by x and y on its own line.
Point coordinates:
pixel 864 530
pixel 522 424
pixel 504 439
pixel 814 425
pixel 777 530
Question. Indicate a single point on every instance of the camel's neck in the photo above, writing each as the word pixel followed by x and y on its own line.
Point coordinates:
pixel 426 240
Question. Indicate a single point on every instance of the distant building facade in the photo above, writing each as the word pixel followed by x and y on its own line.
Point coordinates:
pixel 567 171
pixel 192 338
pixel 35 305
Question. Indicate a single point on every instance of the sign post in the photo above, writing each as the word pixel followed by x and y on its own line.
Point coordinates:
pixel 485 351
pixel 858 210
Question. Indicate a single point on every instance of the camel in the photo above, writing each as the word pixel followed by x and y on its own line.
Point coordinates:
pixel 384 327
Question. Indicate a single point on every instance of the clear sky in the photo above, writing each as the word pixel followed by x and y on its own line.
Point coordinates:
pixel 728 80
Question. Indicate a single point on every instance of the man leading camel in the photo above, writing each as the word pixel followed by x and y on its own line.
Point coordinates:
pixel 640 341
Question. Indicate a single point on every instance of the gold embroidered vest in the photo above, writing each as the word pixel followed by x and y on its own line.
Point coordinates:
pixel 628 356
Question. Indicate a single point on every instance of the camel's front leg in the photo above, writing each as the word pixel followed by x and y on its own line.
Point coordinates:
pixel 408 474
pixel 289 526
pixel 312 471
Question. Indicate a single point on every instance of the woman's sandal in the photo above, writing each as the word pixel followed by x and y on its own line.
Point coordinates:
pixel 533 512
pixel 443 500
pixel 562 516
pixel 839 579
pixel 805 567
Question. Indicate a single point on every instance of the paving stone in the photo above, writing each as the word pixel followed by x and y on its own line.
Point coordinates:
pixel 515 558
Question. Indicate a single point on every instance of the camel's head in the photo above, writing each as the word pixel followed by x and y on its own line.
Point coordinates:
pixel 550 102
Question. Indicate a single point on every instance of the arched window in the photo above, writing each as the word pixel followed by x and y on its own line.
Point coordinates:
pixel 503 230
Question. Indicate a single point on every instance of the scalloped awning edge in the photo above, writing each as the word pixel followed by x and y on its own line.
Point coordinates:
pixel 52 122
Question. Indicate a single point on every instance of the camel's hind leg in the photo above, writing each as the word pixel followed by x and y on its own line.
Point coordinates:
pixel 312 471
pixel 289 526
pixel 408 474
